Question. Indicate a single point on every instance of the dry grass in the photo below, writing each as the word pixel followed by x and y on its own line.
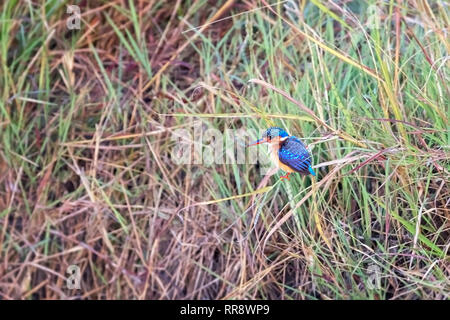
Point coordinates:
pixel 87 178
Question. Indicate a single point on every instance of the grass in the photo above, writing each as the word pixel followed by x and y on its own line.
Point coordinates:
pixel 88 176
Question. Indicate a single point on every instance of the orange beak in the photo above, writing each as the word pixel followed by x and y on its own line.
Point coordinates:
pixel 258 142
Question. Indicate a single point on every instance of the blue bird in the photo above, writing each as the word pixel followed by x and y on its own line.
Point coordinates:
pixel 287 152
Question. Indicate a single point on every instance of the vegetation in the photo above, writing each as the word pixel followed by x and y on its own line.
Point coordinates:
pixel 87 170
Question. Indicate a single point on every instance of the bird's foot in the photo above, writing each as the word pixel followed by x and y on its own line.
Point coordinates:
pixel 286 176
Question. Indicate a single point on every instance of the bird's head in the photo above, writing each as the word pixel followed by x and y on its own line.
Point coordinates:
pixel 272 135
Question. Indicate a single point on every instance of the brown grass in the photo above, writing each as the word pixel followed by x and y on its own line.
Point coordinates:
pixel 94 184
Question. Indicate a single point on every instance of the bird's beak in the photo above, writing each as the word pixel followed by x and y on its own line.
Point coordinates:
pixel 258 142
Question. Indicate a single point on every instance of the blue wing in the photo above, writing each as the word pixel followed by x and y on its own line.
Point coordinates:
pixel 294 154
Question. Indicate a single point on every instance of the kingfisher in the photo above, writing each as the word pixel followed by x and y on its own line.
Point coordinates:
pixel 287 152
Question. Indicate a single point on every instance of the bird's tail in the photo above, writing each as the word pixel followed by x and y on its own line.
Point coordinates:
pixel 311 170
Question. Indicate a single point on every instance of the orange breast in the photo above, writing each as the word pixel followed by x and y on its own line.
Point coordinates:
pixel 284 167
pixel 276 160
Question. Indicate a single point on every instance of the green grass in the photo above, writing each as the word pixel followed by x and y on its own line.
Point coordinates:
pixel 87 175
